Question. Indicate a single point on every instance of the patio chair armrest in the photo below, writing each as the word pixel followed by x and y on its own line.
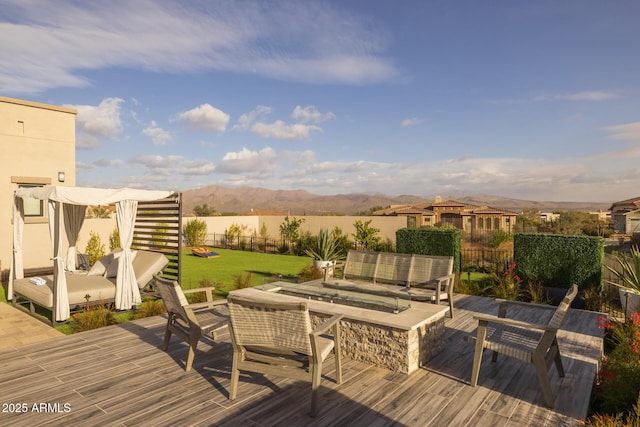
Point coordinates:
pixel 205 305
pixel 510 322
pixel 208 291
pixel 328 324
pixel 448 278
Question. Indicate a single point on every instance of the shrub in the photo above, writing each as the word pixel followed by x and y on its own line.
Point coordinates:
pixel 630 419
pixel 507 284
pixel 311 273
pixel 242 282
pixel 498 237
pixel 197 297
pixel 149 307
pixel 196 232
pixel 618 385
pixel 95 248
pixel 94 317
pixel 114 239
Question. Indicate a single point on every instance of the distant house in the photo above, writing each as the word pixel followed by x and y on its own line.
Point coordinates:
pixel 625 216
pixel 463 216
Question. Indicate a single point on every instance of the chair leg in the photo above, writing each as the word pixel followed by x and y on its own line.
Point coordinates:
pixel 337 354
pixel 556 358
pixel 451 305
pixel 167 335
pixel 193 345
pixel 477 355
pixel 316 375
pixel 543 379
pixel 235 375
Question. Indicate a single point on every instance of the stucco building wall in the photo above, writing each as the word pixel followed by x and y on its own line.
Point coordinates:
pixel 37 141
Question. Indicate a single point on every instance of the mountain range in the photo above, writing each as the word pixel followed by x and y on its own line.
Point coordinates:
pixel 247 200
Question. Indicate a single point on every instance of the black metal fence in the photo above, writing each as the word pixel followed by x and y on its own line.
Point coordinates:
pixel 486 260
pixel 247 243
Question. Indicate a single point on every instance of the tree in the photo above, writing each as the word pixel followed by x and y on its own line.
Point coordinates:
pixel 569 222
pixel 369 211
pixel 95 249
pixel 234 232
pixel 290 230
pixel 264 233
pixel 366 235
pixel 529 219
pixel 195 232
pixel 114 239
pixel 203 210
pixel 98 212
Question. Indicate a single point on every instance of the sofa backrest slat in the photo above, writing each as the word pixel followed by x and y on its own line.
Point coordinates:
pixel 396 268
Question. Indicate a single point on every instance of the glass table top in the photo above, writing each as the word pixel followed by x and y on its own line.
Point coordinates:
pixel 369 296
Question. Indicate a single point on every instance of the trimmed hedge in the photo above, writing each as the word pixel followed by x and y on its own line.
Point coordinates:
pixel 430 241
pixel 559 261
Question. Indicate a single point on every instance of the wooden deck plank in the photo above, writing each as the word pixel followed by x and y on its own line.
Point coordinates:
pixel 119 376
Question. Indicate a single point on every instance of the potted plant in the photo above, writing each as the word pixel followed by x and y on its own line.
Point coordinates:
pixel 628 272
pixel 325 251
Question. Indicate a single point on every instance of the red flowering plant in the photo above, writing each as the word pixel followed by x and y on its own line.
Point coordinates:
pixel 508 284
pixel 618 384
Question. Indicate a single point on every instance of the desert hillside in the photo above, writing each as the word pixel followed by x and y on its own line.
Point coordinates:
pixel 243 200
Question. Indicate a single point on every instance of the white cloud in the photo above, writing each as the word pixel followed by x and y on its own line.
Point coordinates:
pixel 311 114
pixel 575 96
pixel 247 161
pixel 247 119
pixel 157 162
pixel 205 118
pixel 282 130
pixel 101 120
pixel 53 44
pixel 197 167
pixel 414 121
pixel 158 135
pixel 85 141
pixel 626 132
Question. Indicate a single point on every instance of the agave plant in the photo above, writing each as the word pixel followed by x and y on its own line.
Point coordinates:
pixel 629 270
pixel 325 247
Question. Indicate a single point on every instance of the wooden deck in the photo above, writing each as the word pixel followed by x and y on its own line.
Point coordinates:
pixel 119 376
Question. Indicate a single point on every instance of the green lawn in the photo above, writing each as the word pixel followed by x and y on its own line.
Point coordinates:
pixel 220 271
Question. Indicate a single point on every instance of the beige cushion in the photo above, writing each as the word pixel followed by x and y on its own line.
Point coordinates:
pixel 146 264
pixel 78 286
pixel 112 269
pixel 101 265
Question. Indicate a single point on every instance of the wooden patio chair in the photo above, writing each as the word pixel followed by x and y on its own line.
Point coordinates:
pixel 276 338
pixel 529 342
pixel 190 321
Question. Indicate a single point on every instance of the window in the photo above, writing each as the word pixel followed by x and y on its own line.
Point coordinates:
pixel 496 223
pixel 33 208
pixel 480 223
pixel 411 222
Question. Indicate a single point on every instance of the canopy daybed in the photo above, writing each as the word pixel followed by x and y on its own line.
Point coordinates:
pixel 66 211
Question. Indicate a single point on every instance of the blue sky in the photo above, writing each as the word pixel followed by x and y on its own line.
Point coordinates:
pixel 538 100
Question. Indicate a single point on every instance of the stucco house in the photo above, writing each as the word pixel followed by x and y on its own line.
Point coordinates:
pixel 625 216
pixel 464 216
pixel 37 148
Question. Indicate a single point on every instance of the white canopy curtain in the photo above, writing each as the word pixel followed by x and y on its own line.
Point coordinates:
pixel 59 198
pixel 127 292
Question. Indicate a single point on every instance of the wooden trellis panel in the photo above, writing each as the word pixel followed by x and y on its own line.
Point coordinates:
pixel 158 228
